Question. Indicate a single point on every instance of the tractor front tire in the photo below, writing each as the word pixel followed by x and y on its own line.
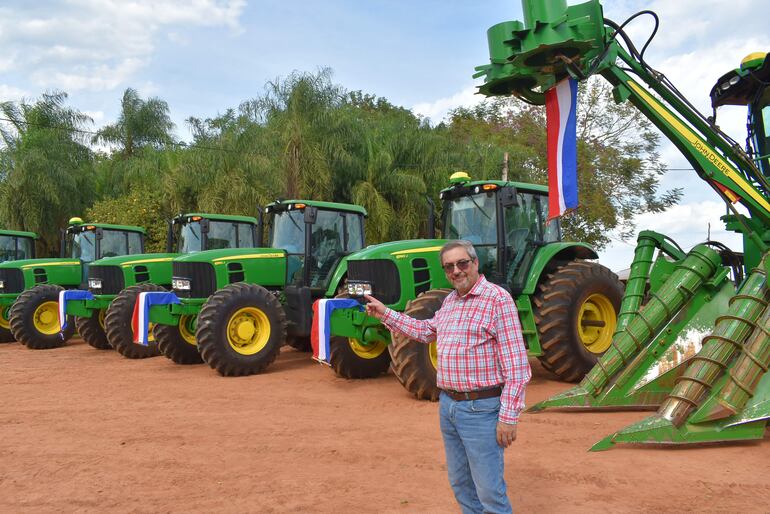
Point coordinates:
pixel 34 318
pixel 92 330
pixel 5 326
pixel 117 323
pixel 300 343
pixel 241 329
pixel 576 309
pixel 177 342
pixel 351 359
pixel 414 363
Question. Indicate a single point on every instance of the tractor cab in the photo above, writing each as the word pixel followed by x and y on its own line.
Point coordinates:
pixel 16 245
pixel 90 242
pixel 505 221
pixel 316 236
pixel 749 85
pixel 190 233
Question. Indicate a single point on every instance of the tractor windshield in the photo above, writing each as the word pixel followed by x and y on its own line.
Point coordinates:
pixel 13 248
pixel 83 246
pixel 189 240
pixel 474 218
pixel 221 234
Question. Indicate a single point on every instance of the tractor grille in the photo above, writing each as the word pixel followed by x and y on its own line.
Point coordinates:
pixel 382 274
pixel 203 281
pixel 14 280
pixel 111 276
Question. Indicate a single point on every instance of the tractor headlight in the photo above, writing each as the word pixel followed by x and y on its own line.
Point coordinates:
pixel 180 284
pixel 359 288
pixel 2 284
pixel 94 283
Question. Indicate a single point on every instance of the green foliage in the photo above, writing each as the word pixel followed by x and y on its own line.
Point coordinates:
pixel 46 171
pixel 306 137
pixel 141 206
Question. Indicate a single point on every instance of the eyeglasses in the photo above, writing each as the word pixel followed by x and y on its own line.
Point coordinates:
pixel 462 265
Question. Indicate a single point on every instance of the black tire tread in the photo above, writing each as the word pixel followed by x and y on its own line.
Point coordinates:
pixel 554 305
pixel 347 364
pixel 173 346
pixel 117 323
pixel 411 359
pixel 216 352
pixel 92 332
pixel 21 323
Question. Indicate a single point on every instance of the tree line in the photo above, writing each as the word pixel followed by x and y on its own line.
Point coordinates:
pixel 306 137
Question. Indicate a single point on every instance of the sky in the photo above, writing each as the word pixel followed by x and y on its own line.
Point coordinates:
pixel 205 56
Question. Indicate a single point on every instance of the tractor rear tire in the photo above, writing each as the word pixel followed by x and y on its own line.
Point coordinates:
pixel 5 327
pixel 241 329
pixel 92 330
pixel 117 323
pixel 414 363
pixel 178 343
pixel 576 310
pixel 351 359
pixel 34 318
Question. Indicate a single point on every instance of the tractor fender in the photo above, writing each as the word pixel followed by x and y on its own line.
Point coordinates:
pixel 559 252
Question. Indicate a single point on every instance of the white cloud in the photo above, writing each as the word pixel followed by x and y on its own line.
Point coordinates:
pixel 11 93
pixel 437 110
pixel 98 45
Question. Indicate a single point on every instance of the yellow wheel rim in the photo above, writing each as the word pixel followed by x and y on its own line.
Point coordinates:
pixel 45 319
pixel 102 313
pixel 248 331
pixel 367 351
pixel 596 323
pixel 433 352
pixel 186 330
pixel 4 322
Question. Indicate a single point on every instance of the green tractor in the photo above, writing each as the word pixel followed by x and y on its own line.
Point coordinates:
pixel 15 245
pixel 29 288
pixel 568 305
pixel 693 339
pixel 104 322
pixel 238 307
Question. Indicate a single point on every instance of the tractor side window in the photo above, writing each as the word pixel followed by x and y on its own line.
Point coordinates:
pixel 8 248
pixel 355 232
pixel 764 140
pixel 189 240
pixel 113 243
pixel 134 243
pixel 24 248
pixel 245 236
pixel 83 246
pixel 326 251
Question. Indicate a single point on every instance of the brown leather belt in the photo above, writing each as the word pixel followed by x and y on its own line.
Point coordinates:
pixel 462 396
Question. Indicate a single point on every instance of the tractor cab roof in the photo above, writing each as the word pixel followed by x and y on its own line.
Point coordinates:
pixel 83 227
pixel 187 217
pixel 18 233
pixel 287 205
pixel 462 185
pixel 740 86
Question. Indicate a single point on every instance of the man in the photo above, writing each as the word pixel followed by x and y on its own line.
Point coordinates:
pixel 482 372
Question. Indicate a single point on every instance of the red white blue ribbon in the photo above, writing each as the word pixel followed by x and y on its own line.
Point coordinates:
pixel 64 297
pixel 561 124
pixel 140 321
pixel 320 332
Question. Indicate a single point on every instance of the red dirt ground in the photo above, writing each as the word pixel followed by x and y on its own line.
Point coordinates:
pixel 87 430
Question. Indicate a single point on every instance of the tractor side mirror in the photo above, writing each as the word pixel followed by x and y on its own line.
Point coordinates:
pixel 508 197
pixel 205 225
pixel 311 214
pixel 99 232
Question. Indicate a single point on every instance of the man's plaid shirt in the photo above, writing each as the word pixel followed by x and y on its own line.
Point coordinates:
pixel 479 343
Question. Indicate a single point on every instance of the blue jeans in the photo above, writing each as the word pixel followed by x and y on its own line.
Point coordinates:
pixel 474 459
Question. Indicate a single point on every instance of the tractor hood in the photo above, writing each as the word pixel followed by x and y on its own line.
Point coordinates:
pixel 400 249
pixel 240 254
pixel 39 263
pixel 135 259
